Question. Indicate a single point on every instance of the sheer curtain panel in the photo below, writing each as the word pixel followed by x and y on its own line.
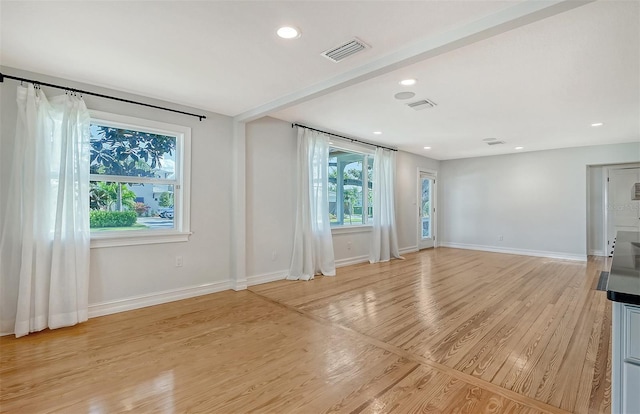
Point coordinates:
pixel 44 241
pixel 312 244
pixel 384 239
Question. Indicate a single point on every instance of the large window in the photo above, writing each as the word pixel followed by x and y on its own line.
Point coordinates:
pixel 139 183
pixel 350 187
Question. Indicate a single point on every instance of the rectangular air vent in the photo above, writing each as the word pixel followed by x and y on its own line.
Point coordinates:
pixel 422 104
pixel 338 53
pixel 495 142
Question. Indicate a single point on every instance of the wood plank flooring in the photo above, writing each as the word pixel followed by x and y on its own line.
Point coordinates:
pixel 444 331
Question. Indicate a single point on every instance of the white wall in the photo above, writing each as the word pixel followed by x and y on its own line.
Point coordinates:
pixel 270 185
pixel 536 200
pixel 271 161
pixel 407 196
pixel 121 273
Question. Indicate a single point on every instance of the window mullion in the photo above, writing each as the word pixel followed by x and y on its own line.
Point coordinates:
pixel 131 179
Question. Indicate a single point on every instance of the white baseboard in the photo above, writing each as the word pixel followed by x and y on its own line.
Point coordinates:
pixel 281 274
pixel 597 253
pixel 410 249
pixel 266 277
pixel 6 327
pixel 522 252
pixel 365 258
pixel 352 260
pixel 237 286
pixel 142 301
pixel 157 298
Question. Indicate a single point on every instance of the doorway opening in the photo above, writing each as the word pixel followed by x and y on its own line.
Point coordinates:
pixel 622 213
pixel 610 207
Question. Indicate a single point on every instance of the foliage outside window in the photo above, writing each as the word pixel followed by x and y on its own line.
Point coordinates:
pixel 426 208
pixel 136 180
pixel 350 188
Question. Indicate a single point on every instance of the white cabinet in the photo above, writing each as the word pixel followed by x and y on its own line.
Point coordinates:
pixel 625 375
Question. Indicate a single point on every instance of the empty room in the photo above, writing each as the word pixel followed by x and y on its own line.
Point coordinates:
pixel 320 206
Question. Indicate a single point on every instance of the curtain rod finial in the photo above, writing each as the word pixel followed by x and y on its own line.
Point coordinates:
pixel 1 78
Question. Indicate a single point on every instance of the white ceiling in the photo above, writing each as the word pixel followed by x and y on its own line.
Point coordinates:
pixel 538 85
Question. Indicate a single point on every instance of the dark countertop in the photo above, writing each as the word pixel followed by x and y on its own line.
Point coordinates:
pixel 624 278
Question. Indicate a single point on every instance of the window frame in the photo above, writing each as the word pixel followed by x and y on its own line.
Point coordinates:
pixel 368 155
pixel 182 183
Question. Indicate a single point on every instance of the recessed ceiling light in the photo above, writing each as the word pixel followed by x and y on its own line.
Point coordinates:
pixel 519 148
pixel 408 82
pixel 288 32
pixel 377 132
pixel 597 124
pixel 427 148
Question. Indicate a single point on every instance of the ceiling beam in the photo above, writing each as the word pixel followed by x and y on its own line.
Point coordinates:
pixel 521 14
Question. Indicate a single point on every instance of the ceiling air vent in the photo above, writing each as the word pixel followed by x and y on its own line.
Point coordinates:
pixel 338 53
pixel 422 104
pixel 495 142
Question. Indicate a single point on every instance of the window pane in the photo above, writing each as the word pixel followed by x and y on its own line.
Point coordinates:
pixel 118 206
pixel 353 192
pixel 117 151
pixel 345 187
pixel 426 208
pixel 333 188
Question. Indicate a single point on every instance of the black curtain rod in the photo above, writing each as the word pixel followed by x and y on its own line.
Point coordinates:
pixel 66 88
pixel 343 137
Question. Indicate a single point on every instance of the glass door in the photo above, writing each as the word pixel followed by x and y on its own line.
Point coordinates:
pixel 426 211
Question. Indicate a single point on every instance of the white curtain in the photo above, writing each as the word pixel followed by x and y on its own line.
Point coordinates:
pixel 312 244
pixel 384 239
pixel 44 241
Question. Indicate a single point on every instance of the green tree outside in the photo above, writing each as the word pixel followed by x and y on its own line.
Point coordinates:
pixel 111 196
pixel 116 151
pixel 166 199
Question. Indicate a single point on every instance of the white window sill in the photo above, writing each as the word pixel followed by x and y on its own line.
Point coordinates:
pixel 351 229
pixel 120 239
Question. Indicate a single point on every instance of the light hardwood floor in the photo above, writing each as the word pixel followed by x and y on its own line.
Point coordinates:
pixel 444 331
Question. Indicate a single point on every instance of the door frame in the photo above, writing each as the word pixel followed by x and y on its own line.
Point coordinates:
pixel 434 203
pixel 605 192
